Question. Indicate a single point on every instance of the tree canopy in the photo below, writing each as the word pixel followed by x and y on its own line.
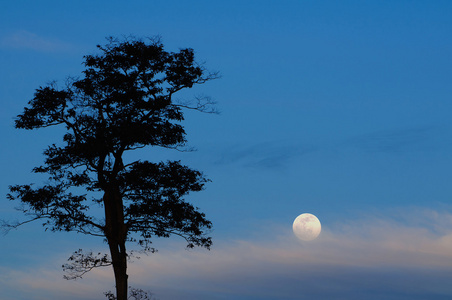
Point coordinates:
pixel 123 101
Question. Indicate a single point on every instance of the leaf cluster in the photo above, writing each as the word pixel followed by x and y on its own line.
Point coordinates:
pixel 123 101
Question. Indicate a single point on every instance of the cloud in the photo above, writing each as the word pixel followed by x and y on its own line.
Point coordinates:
pixel 394 140
pixel 46 282
pixel 267 155
pixel 27 40
pixel 406 255
pixel 373 258
pixel 273 155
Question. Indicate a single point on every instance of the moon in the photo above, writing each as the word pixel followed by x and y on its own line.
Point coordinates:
pixel 306 227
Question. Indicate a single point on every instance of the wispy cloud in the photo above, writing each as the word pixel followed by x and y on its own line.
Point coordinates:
pixel 267 155
pixel 279 154
pixel 408 257
pixel 393 140
pixel 46 282
pixel 27 40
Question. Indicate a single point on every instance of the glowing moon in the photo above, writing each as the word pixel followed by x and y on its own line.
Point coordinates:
pixel 306 227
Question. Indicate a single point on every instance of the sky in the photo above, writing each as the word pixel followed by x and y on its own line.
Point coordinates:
pixel 336 108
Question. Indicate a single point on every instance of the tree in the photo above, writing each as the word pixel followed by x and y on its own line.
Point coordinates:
pixel 123 102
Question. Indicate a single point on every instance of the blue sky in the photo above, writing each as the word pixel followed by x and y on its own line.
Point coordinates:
pixel 337 108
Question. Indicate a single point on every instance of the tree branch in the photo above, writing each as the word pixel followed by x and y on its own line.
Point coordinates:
pixel 81 263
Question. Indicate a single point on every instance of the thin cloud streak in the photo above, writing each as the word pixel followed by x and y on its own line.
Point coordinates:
pixel 280 154
pixel 397 140
pixel 46 282
pixel 23 39
pixel 266 155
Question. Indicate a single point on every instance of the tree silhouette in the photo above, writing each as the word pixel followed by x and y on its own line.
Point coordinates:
pixel 123 102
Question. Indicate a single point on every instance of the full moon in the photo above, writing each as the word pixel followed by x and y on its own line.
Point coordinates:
pixel 306 227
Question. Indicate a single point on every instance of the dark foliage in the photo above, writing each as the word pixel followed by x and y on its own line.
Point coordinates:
pixel 123 102
pixel 135 294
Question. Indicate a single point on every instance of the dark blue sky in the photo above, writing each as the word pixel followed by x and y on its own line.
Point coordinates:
pixel 337 108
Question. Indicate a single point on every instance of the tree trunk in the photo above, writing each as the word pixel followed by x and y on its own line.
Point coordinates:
pixel 119 260
pixel 116 234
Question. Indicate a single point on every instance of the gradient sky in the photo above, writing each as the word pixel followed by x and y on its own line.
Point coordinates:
pixel 336 108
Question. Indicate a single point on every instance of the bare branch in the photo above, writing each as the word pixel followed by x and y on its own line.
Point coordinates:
pixel 7 226
pixel 203 104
